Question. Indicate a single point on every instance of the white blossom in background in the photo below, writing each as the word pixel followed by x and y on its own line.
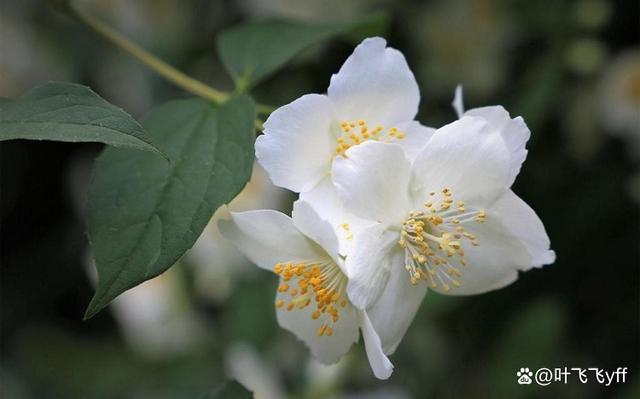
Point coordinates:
pixel 619 99
pixel 475 51
pixel 311 301
pixel 321 379
pixel 618 102
pixel 244 364
pixel 374 97
pixel 156 317
pixel 446 221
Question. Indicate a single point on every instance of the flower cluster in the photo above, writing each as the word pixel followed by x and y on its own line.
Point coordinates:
pixel 388 208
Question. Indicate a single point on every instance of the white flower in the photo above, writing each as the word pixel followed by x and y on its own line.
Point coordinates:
pixel 447 221
pixel 374 97
pixel 311 301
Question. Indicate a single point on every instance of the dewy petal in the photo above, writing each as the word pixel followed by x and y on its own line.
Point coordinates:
pixel 518 217
pixel 327 349
pixel 373 181
pixel 324 199
pixel 380 364
pixel 514 132
pixel 268 237
pixel 467 157
pixel 375 84
pixel 306 219
pixel 511 239
pixel 297 143
pixel 416 136
pixel 369 264
pixel 396 307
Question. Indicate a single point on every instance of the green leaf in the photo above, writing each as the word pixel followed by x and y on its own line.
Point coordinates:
pixel 252 51
pixel 143 213
pixel 229 390
pixel 70 112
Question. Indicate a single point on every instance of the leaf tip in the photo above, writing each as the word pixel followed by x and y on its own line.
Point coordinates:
pixel 94 308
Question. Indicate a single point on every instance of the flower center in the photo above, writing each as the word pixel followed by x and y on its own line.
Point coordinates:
pixel 319 280
pixel 432 240
pixel 356 132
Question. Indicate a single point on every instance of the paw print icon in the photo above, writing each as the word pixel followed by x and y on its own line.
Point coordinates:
pixel 524 376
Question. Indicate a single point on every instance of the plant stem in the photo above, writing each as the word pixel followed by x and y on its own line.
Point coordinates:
pixel 162 68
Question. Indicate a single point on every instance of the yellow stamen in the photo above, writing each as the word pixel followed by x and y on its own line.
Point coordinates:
pixel 433 238
pixel 351 136
pixel 319 281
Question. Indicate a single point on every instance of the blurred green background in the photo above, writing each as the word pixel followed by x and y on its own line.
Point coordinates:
pixel 570 68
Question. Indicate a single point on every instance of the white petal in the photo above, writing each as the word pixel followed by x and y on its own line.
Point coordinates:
pixel 512 239
pixel 467 157
pixel 380 364
pixel 297 143
pixel 518 217
pixel 268 237
pixel 394 311
pixel 416 136
pixel 514 132
pixel 496 116
pixel 458 102
pixel 369 264
pixel 327 349
pixel 324 199
pixel 373 181
pixel 375 84
pixel 306 219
